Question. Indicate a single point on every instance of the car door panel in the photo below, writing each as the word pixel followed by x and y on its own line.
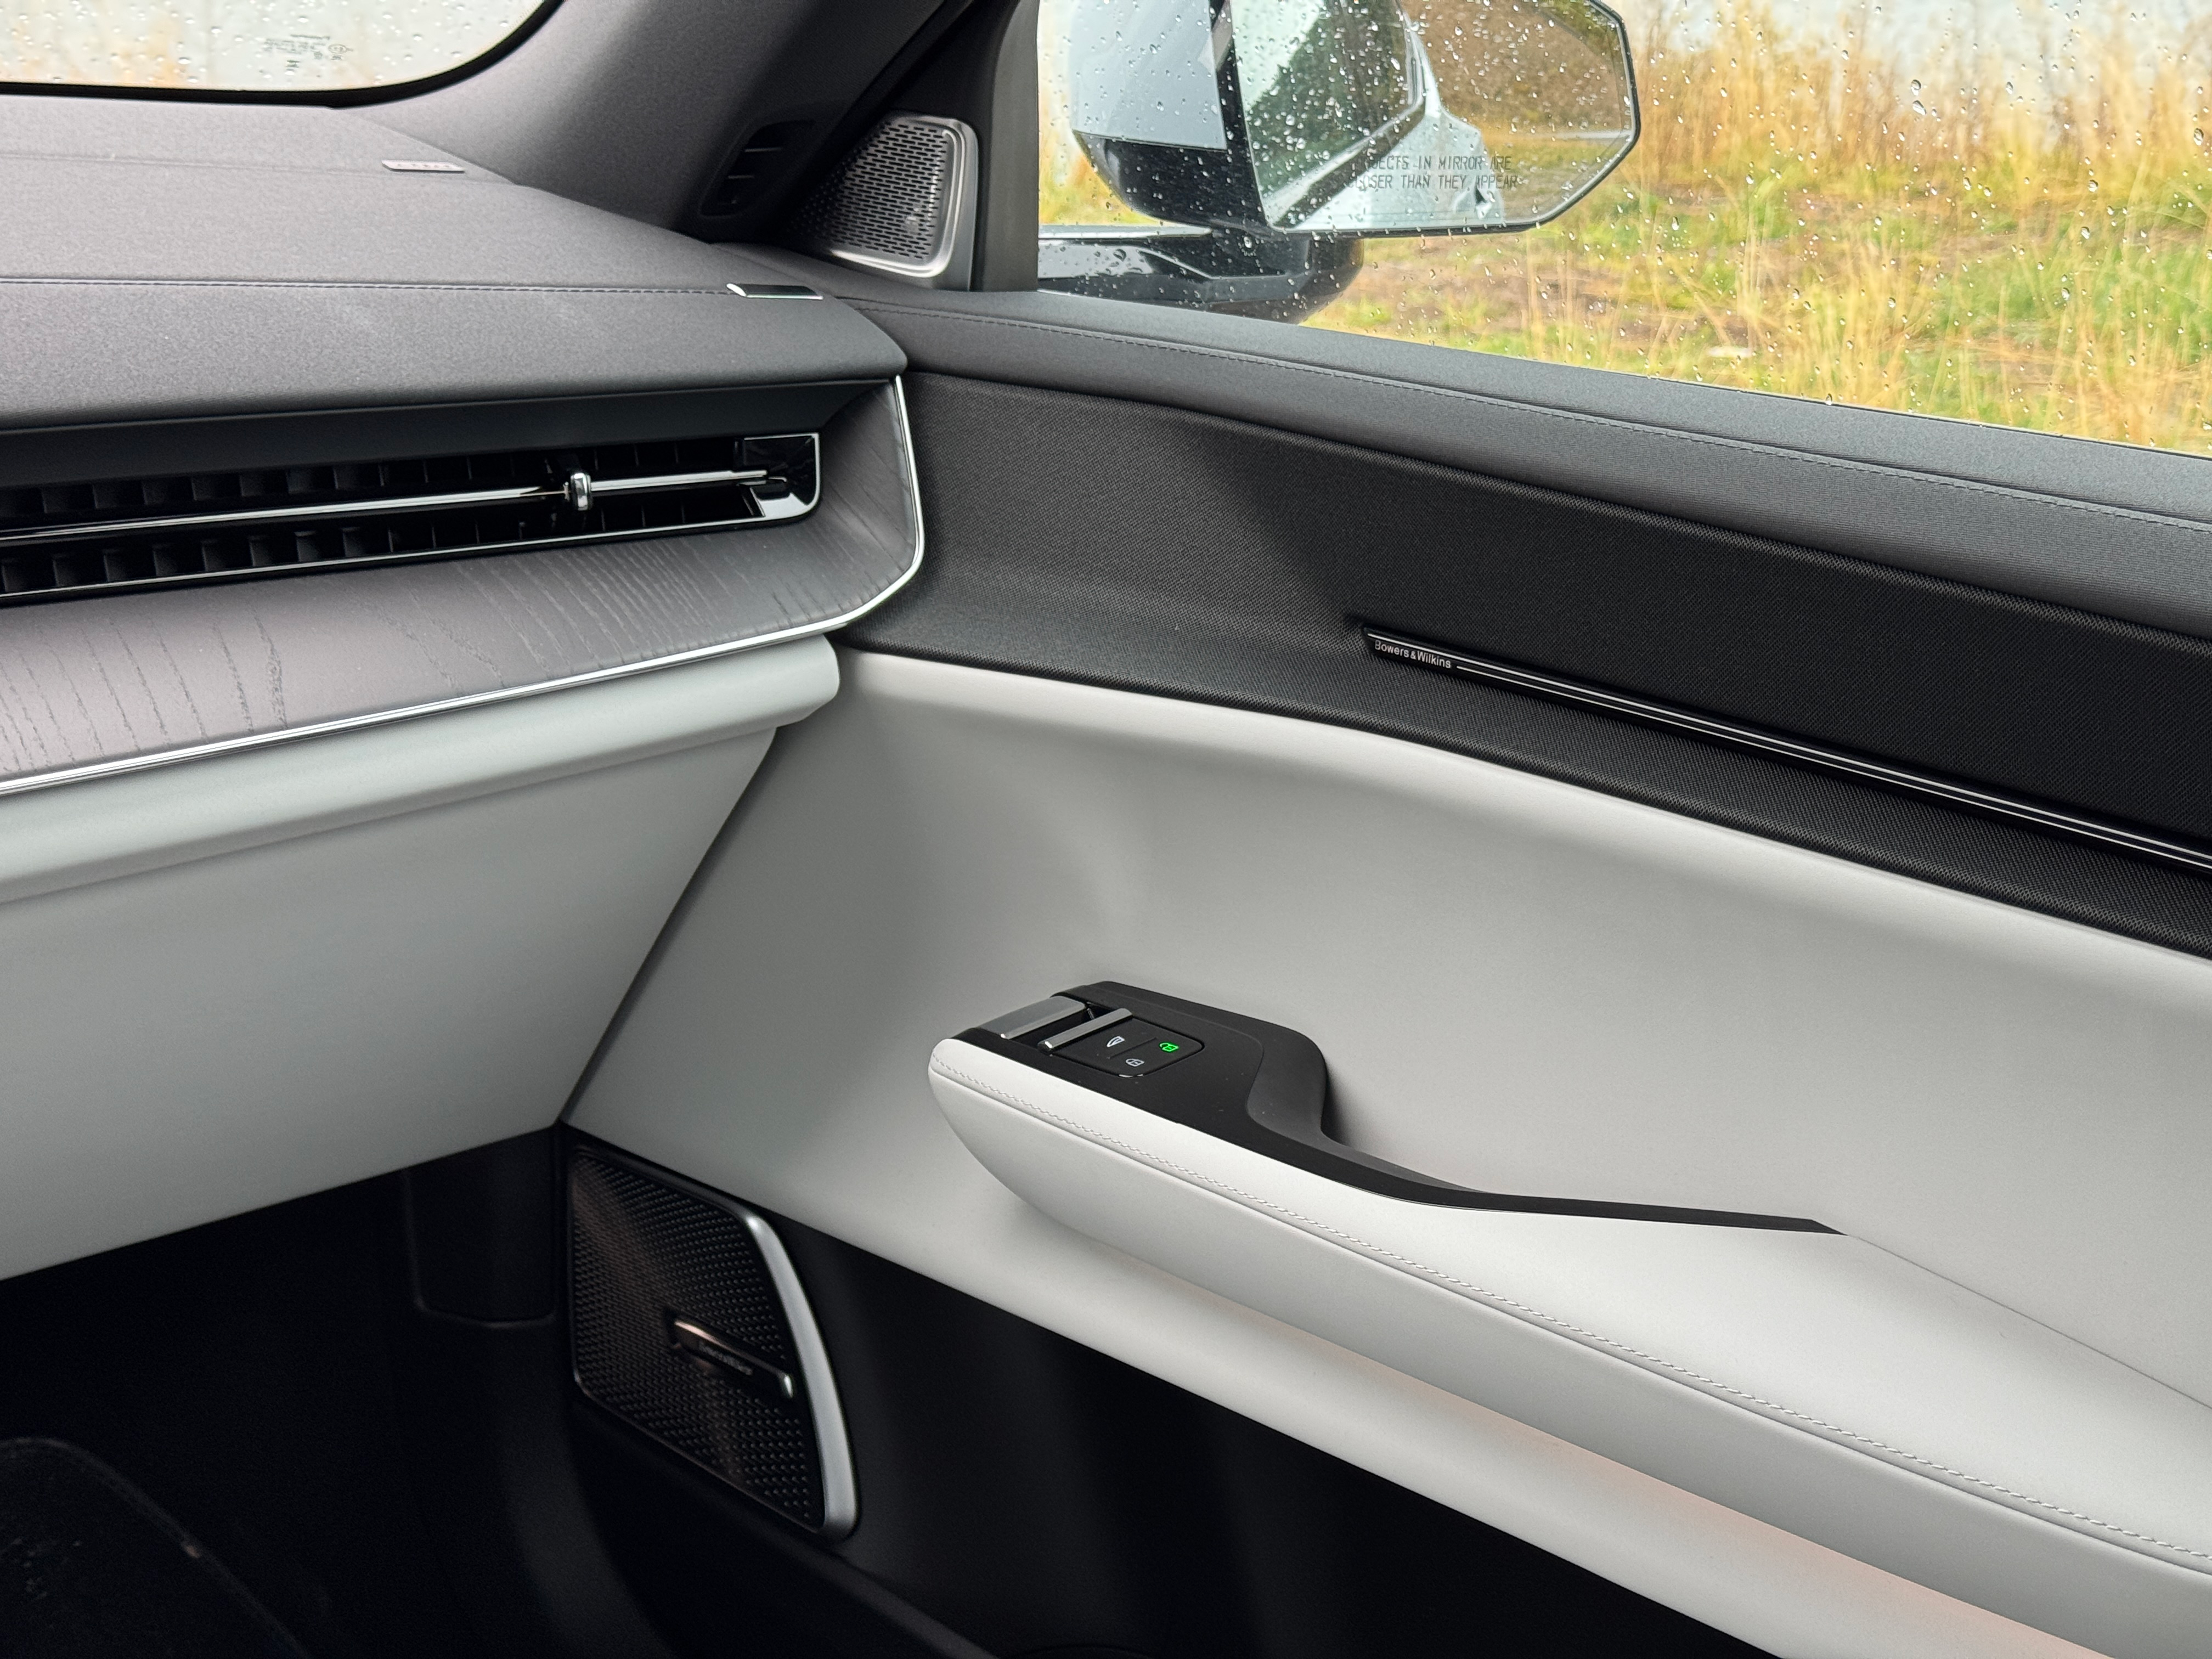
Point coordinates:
pixel 1524 1017
pixel 1532 985
pixel 1831 1341
pixel 1761 851
pixel 1245 578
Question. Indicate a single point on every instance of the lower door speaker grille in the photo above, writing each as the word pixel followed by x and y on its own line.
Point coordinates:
pixel 688 1322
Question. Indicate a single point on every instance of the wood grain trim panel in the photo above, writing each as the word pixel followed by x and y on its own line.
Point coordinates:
pixel 95 686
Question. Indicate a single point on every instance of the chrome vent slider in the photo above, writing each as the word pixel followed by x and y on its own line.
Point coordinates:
pixel 57 539
pixel 581 488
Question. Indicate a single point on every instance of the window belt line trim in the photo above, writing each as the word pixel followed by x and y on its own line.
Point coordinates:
pixel 1445 659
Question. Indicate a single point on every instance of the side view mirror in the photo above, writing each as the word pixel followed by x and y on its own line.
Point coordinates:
pixel 1272 134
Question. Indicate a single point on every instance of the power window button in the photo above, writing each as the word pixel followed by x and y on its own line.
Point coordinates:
pixel 1131 1048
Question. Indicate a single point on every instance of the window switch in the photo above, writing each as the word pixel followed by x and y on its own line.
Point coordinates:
pixel 1131 1048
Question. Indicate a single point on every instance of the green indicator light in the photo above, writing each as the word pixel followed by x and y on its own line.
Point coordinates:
pixel 1170 1047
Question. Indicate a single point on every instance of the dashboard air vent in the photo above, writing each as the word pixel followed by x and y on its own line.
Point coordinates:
pixel 62 539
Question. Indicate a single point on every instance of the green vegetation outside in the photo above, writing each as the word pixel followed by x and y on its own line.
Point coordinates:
pixel 1806 216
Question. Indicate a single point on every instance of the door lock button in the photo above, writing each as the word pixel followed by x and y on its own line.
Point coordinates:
pixel 1131 1048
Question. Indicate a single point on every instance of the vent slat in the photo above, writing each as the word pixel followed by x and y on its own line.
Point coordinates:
pixel 67 538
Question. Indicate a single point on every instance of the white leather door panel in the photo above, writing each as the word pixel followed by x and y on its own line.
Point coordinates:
pixel 1980 1453
pixel 1523 986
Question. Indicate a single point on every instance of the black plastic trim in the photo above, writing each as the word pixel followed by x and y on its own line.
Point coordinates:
pixel 820 156
pixel 2115 529
pixel 318 437
pixel 66 555
pixel 1265 1088
pixel 1444 659
pixel 1234 577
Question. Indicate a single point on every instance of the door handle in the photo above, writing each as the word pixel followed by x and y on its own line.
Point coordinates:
pixel 1261 1086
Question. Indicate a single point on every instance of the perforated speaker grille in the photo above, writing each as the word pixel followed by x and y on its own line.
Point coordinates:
pixel 644 1255
pixel 893 197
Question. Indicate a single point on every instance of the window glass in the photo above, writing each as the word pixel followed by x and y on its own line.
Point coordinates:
pixel 247 45
pixel 1315 101
pixel 1991 209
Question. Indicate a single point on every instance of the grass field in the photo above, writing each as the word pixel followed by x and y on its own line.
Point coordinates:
pixel 1818 212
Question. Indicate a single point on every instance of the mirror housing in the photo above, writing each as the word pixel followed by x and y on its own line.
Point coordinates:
pixel 1246 272
pixel 1287 130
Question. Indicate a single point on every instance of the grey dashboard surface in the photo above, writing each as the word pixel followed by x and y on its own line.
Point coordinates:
pixel 165 262
pixel 212 289
pixel 114 681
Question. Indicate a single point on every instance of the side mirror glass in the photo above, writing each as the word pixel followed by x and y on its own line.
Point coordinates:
pixel 1351 117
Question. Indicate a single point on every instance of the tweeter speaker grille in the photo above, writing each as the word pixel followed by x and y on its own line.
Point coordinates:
pixel 902 202
pixel 688 1322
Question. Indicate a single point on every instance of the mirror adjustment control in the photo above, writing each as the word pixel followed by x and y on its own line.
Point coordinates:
pixel 1131 1047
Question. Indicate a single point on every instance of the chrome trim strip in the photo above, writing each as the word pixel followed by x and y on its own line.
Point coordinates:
pixel 718 1349
pixel 1112 1017
pixel 88 531
pixel 1444 659
pixel 840 1496
pixel 672 481
pixel 222 746
pixel 1123 233
pixel 1035 1017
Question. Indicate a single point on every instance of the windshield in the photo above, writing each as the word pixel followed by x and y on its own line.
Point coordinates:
pixel 248 46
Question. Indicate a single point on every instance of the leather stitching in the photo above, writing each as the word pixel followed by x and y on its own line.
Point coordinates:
pixel 1729 445
pixel 1538 1316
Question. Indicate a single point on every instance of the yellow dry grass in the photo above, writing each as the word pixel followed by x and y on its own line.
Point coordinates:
pixel 245 44
pixel 1811 212
pixel 51 45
